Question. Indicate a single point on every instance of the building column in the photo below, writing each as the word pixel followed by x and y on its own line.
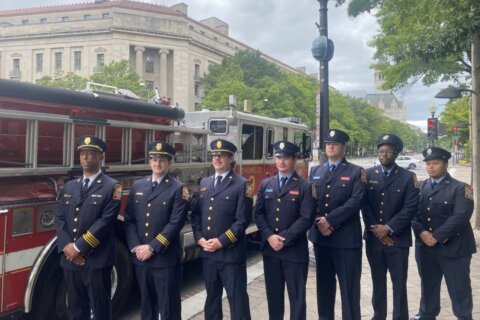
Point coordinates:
pixel 139 60
pixel 163 72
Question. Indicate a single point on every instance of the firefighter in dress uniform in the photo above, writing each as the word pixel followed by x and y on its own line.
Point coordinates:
pixel 220 216
pixel 285 210
pixel 337 233
pixel 444 240
pixel 155 213
pixel 390 202
pixel 85 218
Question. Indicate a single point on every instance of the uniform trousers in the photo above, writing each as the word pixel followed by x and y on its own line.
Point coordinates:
pixel 382 258
pixel 231 276
pixel 456 271
pixel 277 273
pixel 160 292
pixel 346 264
pixel 88 293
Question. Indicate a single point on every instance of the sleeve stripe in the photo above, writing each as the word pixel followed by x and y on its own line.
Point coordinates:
pixel 91 240
pixel 162 240
pixel 231 236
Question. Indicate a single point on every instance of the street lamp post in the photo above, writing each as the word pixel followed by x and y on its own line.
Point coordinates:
pixel 322 51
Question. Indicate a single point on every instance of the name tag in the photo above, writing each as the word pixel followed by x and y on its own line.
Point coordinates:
pixel 96 196
pixel 269 190
pixel 294 192
pixel 139 193
pixel 373 181
pixel 345 178
pixel 316 178
pixel 66 195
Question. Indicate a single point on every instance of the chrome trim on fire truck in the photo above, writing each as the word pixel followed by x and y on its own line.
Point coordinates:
pixel 34 273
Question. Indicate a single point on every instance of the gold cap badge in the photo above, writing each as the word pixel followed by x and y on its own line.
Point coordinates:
pixel 282 146
pixel 219 144
pixel 158 146
pixel 87 140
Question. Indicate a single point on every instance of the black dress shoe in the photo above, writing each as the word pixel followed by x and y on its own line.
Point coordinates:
pixel 419 317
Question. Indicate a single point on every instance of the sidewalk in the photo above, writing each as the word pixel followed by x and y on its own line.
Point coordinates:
pixel 258 298
pixel 259 308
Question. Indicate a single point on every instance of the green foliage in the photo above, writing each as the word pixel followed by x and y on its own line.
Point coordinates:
pixel 69 81
pixel 121 75
pixel 428 39
pixel 457 114
pixel 116 74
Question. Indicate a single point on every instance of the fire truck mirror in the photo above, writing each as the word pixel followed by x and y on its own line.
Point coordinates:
pixel 22 221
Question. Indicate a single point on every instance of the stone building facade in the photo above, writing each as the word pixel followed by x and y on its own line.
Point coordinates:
pixel 168 49
pixel 386 100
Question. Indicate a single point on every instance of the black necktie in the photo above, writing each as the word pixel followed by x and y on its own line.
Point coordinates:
pixel 332 167
pixel 85 185
pixel 434 184
pixel 385 175
pixel 154 184
pixel 217 182
pixel 283 183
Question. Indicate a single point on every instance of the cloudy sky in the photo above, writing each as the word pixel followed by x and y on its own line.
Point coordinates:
pixel 285 29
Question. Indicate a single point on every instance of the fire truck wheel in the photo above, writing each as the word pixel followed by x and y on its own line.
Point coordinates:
pixel 56 308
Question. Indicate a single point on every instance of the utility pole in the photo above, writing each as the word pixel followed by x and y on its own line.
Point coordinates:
pixel 475 125
pixel 322 50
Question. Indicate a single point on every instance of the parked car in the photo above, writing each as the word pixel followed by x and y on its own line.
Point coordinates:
pixel 405 162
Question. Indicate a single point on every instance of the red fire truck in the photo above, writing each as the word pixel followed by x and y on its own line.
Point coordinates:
pixel 38 129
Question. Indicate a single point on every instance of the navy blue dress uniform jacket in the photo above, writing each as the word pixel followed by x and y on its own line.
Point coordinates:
pixel 446 211
pixel 89 221
pixel 156 218
pixel 223 212
pixel 288 213
pixel 393 202
pixel 339 199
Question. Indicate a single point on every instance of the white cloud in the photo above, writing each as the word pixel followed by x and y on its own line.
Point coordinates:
pixel 285 30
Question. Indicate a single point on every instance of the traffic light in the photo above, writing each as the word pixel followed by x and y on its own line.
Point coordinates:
pixel 432 128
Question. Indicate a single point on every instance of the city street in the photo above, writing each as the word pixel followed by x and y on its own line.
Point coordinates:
pixel 193 294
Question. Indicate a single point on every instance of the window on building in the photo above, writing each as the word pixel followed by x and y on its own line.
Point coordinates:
pixel 43 20
pixel 25 22
pixel 150 84
pixel 39 62
pixel 197 72
pixel 77 58
pixel 198 106
pixel 105 15
pixel 149 66
pixel 58 61
pixel 252 142
pixel 87 16
pixel 64 19
pixel 197 90
pixel 16 67
pixel 100 60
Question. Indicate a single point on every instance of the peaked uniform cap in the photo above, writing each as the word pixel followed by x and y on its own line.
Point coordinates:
pixel 436 153
pixel 390 139
pixel 219 146
pixel 285 148
pixel 159 148
pixel 335 135
pixel 88 142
